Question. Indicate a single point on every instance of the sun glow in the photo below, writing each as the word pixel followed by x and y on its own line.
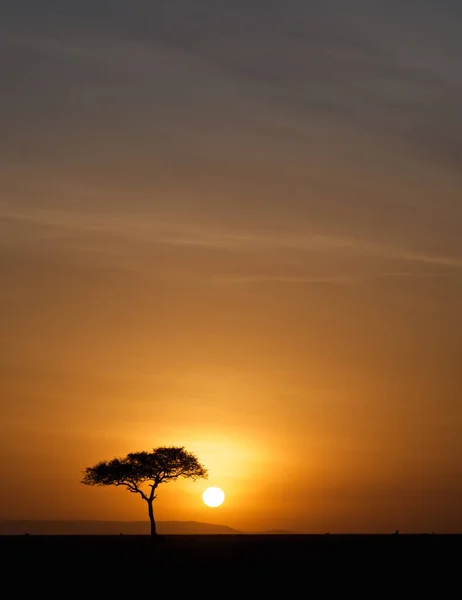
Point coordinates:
pixel 213 497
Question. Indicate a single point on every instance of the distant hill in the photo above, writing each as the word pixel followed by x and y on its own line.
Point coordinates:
pixel 111 528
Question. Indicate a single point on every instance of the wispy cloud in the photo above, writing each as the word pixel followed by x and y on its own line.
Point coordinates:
pixel 328 104
pixel 336 66
pixel 107 230
pixel 284 279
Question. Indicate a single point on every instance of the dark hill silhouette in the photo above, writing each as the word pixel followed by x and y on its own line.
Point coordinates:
pixel 110 528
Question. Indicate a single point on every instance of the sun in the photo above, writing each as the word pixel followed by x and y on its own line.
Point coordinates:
pixel 213 497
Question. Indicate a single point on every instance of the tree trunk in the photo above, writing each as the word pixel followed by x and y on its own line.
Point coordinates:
pixel 151 519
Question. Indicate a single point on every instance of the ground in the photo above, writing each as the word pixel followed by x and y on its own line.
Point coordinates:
pixel 264 560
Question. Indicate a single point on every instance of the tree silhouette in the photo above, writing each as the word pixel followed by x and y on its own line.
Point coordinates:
pixel 142 473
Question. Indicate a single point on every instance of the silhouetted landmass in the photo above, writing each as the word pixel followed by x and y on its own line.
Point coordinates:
pixel 111 528
pixel 321 564
pixel 279 532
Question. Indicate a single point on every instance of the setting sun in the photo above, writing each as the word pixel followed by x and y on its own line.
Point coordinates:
pixel 213 497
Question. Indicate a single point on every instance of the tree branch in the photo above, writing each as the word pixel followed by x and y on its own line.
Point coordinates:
pixel 132 487
pixel 153 489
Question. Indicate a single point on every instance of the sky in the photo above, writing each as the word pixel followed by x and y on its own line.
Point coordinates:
pixel 234 226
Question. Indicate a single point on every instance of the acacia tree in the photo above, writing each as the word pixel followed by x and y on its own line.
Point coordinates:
pixel 142 473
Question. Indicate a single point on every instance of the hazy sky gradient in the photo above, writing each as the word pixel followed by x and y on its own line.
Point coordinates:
pixel 235 226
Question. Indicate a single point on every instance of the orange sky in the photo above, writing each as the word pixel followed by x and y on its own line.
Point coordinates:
pixel 237 231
